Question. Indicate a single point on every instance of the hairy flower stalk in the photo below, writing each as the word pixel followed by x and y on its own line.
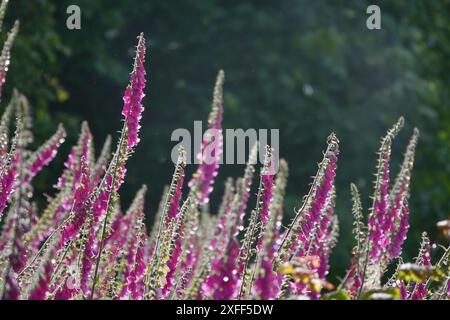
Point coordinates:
pixel 5 57
pixel 277 206
pixel 353 279
pixel 210 153
pixel 243 192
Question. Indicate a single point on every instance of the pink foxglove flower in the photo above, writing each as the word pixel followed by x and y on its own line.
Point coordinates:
pixel 45 154
pixel 211 148
pixel 223 283
pixel 380 220
pixel 132 98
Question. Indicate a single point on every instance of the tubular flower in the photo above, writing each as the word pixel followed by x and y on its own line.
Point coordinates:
pixel 211 148
pixel 45 154
pixel 223 283
pixel 296 239
pixel 398 200
pixel 267 175
pixel 380 221
pixel 136 213
pixel 267 284
pixel 419 290
pixel 132 98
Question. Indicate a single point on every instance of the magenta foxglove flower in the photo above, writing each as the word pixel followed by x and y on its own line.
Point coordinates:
pixel 381 221
pixel 132 98
pixel 267 283
pixel 140 267
pixel 211 148
pixel 267 184
pixel 7 184
pixel 400 236
pixel 223 283
pixel 40 290
pixel 45 154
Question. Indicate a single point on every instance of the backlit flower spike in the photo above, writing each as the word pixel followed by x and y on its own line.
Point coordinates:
pixel 222 230
pixel 5 57
pixel 419 291
pixel 175 191
pixel 114 176
pixel 134 93
pixel 265 195
pixel 60 206
pixel 243 192
pixel 81 207
pixel 136 213
pixel 9 171
pixel 378 216
pixel 83 149
pixel 45 154
pixel 358 253
pixel 5 122
pixel 158 217
pixel 267 283
pixel 210 153
pixel 277 205
pixel 328 232
pixel 102 161
pixel 137 285
pixel 168 218
pixel 246 254
pixel 223 283
pixel 3 7
pixel 398 200
pixel 177 250
pixel 41 287
pixel 296 237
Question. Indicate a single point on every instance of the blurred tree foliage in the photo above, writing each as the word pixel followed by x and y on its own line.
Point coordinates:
pixel 305 67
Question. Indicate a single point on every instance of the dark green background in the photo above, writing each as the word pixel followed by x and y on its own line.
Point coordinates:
pixel 363 81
